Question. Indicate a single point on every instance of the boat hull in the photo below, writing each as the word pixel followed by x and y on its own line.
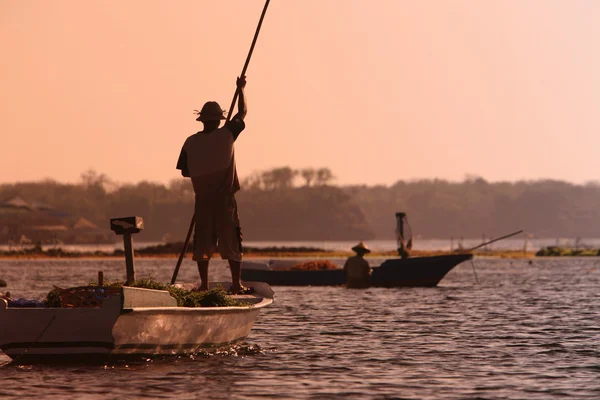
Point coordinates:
pixel 135 322
pixel 410 272
pixel 417 271
pixel 48 332
pixel 180 331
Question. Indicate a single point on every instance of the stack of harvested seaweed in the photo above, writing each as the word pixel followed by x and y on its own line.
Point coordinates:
pixel 175 248
pixel 318 265
pixel 215 297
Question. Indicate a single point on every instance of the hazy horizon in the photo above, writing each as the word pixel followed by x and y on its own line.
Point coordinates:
pixel 376 91
pixel 300 182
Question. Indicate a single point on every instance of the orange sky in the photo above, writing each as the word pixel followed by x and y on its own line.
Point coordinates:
pixel 375 90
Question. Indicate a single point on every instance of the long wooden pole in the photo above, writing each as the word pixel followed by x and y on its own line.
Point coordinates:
pixel 183 251
pixel 235 95
pixel 486 243
pixel 229 114
pixel 495 240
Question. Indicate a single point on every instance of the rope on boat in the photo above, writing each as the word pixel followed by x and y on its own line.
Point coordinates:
pixel 33 343
pixel 474 272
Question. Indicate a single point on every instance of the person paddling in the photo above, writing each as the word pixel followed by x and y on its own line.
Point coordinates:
pixel 357 269
pixel 208 158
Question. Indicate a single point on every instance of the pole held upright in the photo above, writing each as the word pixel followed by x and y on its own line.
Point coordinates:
pixel 235 95
pixel 229 115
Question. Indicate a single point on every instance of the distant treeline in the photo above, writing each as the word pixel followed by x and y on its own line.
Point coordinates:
pixel 288 204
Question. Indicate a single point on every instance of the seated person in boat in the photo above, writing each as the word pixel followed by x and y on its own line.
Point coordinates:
pixel 207 157
pixel 357 269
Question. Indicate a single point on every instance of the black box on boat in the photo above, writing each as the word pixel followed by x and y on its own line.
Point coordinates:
pixel 125 225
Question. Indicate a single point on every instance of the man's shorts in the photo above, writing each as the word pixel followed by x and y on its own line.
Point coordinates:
pixel 217 228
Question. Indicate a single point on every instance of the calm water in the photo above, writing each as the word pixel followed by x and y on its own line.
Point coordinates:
pixel 524 332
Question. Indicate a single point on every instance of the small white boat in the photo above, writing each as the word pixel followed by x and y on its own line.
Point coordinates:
pixel 99 322
pixel 126 322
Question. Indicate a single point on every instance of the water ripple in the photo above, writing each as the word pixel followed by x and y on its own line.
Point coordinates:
pixel 526 331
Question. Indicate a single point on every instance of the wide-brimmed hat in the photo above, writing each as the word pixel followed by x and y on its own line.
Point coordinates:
pixel 211 111
pixel 361 248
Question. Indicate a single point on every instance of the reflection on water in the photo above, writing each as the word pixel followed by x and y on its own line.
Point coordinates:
pixel 526 331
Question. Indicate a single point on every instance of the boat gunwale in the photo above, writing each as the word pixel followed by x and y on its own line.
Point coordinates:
pixel 463 256
pixel 262 303
pixel 203 310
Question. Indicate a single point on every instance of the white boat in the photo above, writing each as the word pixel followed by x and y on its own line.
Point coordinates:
pixel 126 322
pixel 98 322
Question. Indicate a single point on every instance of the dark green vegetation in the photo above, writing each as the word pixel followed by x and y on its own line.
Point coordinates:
pixel 175 248
pixel 555 251
pixel 216 297
pixel 53 299
pixel 35 251
pixel 287 204
pixel 167 249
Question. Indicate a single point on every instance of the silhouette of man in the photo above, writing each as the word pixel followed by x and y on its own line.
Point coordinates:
pixel 208 158
pixel 357 269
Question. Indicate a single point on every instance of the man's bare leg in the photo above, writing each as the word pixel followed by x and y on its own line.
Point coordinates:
pixel 203 270
pixel 236 273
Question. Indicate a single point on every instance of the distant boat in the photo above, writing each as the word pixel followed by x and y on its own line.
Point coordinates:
pixel 397 272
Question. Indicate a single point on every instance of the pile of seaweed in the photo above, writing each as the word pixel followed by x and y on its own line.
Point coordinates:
pixel 274 249
pixel 319 265
pixel 156 250
pixel 556 251
pixel 52 252
pixel 215 297
pixel 175 248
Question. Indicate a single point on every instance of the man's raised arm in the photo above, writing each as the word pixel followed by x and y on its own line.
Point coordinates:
pixel 242 106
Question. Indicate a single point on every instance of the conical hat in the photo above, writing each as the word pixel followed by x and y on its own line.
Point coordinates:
pixel 361 248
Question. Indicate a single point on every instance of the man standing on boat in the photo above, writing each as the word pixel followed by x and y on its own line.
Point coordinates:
pixel 207 157
pixel 357 269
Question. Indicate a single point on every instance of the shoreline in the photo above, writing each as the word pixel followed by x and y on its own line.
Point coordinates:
pixel 253 255
pixel 172 250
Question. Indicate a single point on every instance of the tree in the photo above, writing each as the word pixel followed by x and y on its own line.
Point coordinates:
pixel 308 174
pixel 181 189
pixel 253 182
pixel 91 178
pixel 324 176
pixel 279 178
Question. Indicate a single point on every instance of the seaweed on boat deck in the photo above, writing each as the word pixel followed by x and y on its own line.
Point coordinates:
pixel 318 265
pixel 215 297
pixel 53 299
